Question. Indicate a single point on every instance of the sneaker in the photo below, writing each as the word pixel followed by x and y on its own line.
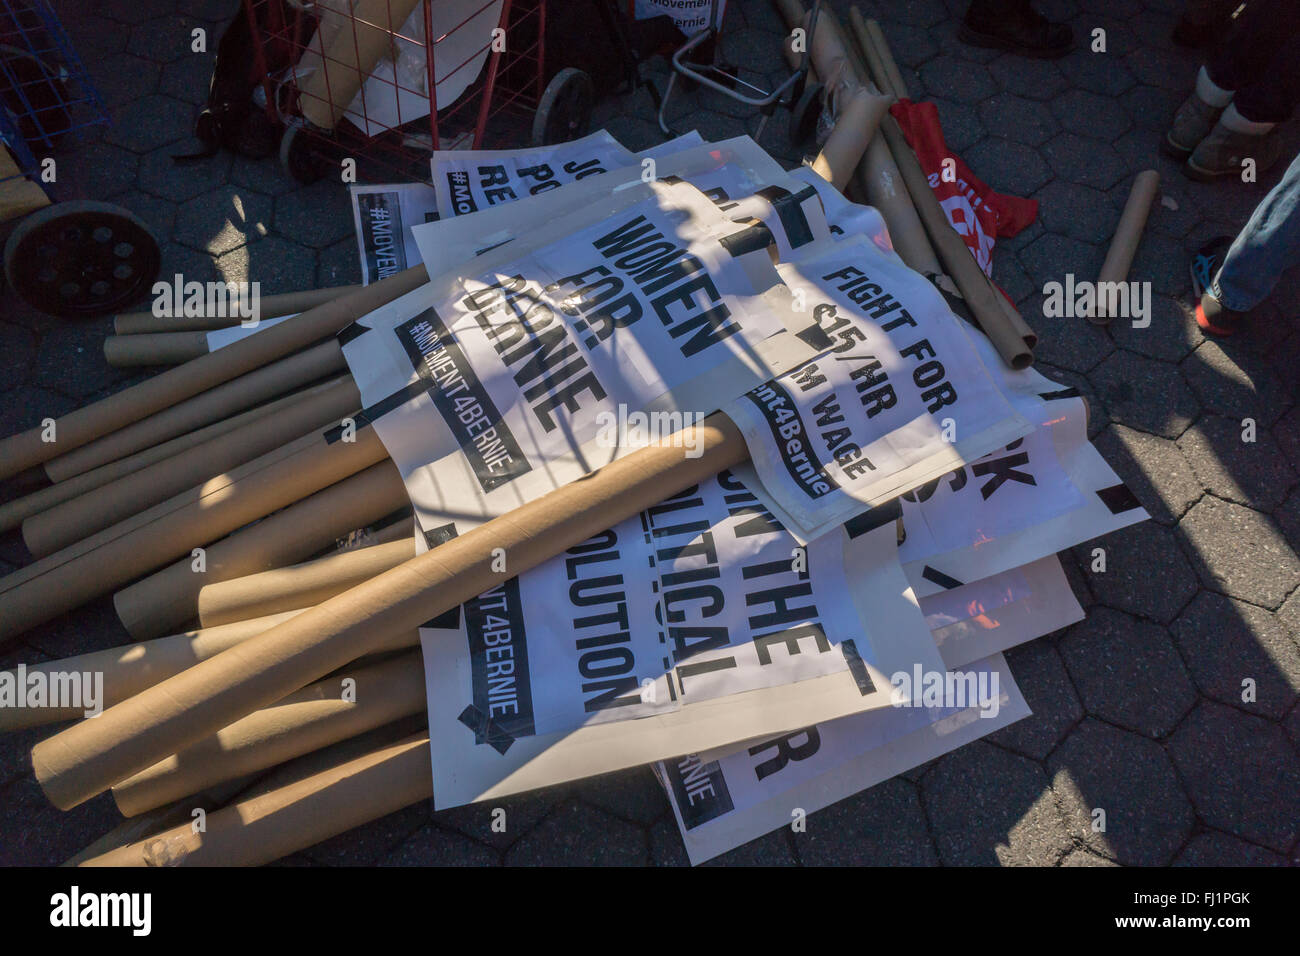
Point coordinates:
pixel 1194 121
pixel 1026 33
pixel 1211 315
pixel 1222 151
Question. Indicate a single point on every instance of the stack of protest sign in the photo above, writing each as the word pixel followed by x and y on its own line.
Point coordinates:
pixel 668 460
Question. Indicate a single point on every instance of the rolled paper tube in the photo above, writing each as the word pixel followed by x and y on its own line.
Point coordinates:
pixel 271 825
pixel 88 758
pixel 893 76
pixel 151 539
pixel 154 348
pixel 842 44
pixel 269 307
pixel 348 57
pixel 1123 246
pixel 62 525
pixel 792 11
pixel 130 669
pixel 1027 334
pixel 300 585
pixel 22 451
pixel 393 531
pixel 169 598
pixel 320 714
pixel 217 403
pixel 854 127
pixel 13 512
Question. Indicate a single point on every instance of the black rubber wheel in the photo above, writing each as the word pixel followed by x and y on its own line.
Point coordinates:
pixel 296 156
pixel 804 113
pixel 81 258
pixel 565 110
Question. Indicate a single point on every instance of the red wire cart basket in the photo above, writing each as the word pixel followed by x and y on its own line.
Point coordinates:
pixel 385 82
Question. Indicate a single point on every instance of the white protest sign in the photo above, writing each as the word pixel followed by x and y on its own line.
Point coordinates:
pixel 384 217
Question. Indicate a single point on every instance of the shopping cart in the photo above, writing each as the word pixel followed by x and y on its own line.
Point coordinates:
pixel 385 82
pixel 72 258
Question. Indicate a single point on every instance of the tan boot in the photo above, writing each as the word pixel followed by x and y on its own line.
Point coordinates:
pixel 1223 153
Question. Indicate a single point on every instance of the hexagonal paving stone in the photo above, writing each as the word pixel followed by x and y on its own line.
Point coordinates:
pixel 1173 213
pixel 579 835
pixel 1116 9
pixel 1091 115
pixel 1253 473
pixel 1077 211
pixel 1292 724
pixel 1136 556
pixel 1104 73
pixel 1018 119
pixel 771 849
pixel 367 844
pixel 122 79
pixel 1226 642
pixel 1084 161
pixel 94 37
pixel 96 171
pixel 316 215
pixel 666 847
pixel 1046 686
pixel 921 13
pixel 956 79
pixel 1007 166
pixel 25 408
pixel 161 175
pixel 1239 552
pixel 223 219
pixel 961 124
pixel 1098 418
pixel 1161 261
pixel 431 846
pixel 633 795
pixel 1127 672
pixel 39 834
pixel 17 349
pixel 1153 468
pixel 70 358
pixel 1175 71
pixel 135 11
pixel 988 807
pixel 1038 79
pixel 266 176
pixel 1167 332
pixel 1130 778
pixel 170 38
pixel 1242 774
pixel 158 214
pixel 912 45
pixel 1152 107
pixel 339 265
pixel 1213 848
pixel 522 812
pixel 278 264
pixel 1287 433
pixel 1085 858
pixel 882 826
pixel 1237 384
pixel 1145 394
pixel 187 78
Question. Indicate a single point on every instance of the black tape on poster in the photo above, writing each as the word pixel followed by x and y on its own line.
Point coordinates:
pixel 699 788
pixel 447 376
pixel 498 651
pixel 781 413
pixel 381 234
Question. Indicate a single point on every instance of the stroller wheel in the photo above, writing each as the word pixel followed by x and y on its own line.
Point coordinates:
pixel 565 110
pixel 297 158
pixel 82 258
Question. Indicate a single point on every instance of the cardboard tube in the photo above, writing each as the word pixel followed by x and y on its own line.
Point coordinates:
pixel 854 127
pixel 169 597
pixel 271 825
pixel 1123 246
pixel 62 525
pixel 129 669
pixel 90 757
pixel 893 76
pixel 13 512
pixel 140 544
pixel 22 451
pixel 213 405
pixel 348 57
pixel 154 348
pixel 314 717
pixel 989 307
pixel 300 585
pixel 269 307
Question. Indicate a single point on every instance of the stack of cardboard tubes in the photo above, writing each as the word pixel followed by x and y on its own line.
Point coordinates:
pixel 227 456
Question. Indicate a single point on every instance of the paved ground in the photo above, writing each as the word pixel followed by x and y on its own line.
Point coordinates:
pixel 1137 710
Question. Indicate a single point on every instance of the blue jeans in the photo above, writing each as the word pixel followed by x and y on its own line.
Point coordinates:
pixel 1265 248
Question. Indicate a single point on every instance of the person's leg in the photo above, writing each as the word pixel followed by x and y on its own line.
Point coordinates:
pixel 1016 26
pixel 1265 248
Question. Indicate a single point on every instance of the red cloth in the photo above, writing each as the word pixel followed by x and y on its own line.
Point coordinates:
pixel 976 211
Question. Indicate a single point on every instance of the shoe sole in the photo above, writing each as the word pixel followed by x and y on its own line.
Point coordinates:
pixel 1172 149
pixel 1201 175
pixel 990 42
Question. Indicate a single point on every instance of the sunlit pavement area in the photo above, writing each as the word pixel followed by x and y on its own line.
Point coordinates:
pixel 1138 710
